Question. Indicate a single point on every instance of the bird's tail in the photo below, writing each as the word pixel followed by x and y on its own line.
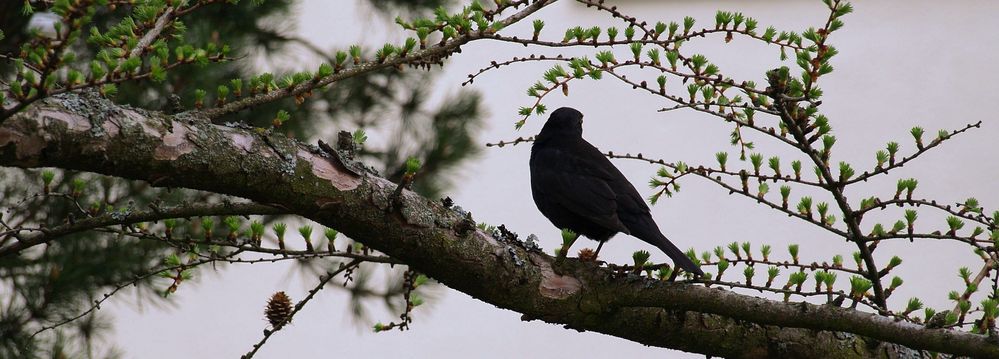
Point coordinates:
pixel 679 258
pixel 647 230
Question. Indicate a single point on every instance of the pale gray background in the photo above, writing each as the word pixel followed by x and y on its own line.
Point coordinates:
pixel 902 63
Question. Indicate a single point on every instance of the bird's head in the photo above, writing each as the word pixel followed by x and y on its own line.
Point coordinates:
pixel 564 122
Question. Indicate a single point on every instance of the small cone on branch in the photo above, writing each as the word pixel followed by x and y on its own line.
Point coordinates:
pixel 278 308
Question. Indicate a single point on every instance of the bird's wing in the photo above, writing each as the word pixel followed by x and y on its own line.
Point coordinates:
pixel 627 197
pixel 572 182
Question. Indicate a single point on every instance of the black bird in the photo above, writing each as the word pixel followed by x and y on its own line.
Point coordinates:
pixel 578 188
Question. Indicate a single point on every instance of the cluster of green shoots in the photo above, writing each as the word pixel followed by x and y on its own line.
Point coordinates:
pixel 147 42
pixel 442 30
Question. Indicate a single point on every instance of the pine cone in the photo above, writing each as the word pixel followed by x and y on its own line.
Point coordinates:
pixel 278 308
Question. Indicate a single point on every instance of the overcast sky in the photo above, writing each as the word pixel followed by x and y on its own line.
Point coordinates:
pixel 901 63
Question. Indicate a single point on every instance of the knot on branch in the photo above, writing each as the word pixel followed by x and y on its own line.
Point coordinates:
pixel 556 286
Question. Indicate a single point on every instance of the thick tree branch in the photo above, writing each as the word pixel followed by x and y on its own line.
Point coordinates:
pixel 186 150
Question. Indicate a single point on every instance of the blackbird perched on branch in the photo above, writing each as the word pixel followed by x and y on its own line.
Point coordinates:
pixel 578 188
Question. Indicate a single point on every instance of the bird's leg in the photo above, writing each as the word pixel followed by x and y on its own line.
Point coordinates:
pixel 672 276
pixel 597 253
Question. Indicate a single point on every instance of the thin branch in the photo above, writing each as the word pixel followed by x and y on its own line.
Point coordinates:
pixel 230 258
pixel 883 205
pixel 977 243
pixel 644 40
pixel 867 175
pixel 711 171
pixel 648 33
pixel 110 219
pixel 725 117
pixel 984 272
pixel 777 207
pixel 97 303
pixel 243 246
pixel 154 33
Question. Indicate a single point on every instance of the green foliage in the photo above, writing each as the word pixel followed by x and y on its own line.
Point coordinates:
pixel 688 24
pixel 772 272
pixel 640 258
pixel 412 165
pixel 257 229
pixel 895 282
pixel 798 278
pixel 305 231
pixel 280 118
pixel 734 247
pixel 829 280
pixel 568 237
pixel 859 286
pixel 765 251
pixel 914 304
pixel 722 266
pixel 845 171
pixel 774 164
pixel 232 223
pixel 359 136
pixel 757 160
pixel 882 157
pixel 664 273
pixel 280 229
pixel 330 234
pixel 805 206
pixel 954 223
pixel 538 25
pixel 792 249
pixel 636 50
pixel 722 158
pixel 796 167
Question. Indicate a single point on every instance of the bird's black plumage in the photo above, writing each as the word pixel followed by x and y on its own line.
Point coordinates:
pixel 578 188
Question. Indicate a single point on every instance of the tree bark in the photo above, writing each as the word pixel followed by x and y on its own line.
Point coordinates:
pixel 85 132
